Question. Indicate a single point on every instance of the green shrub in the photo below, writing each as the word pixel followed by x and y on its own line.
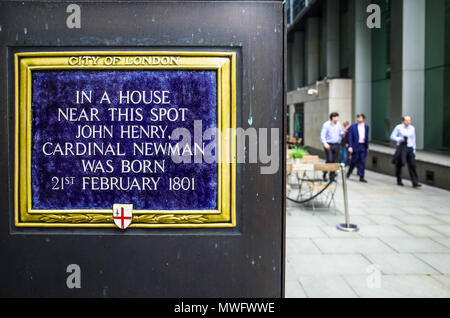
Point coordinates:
pixel 298 153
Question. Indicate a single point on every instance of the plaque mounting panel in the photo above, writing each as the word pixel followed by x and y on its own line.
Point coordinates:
pixel 224 63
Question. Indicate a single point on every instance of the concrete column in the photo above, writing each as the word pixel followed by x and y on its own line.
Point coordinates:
pixel 413 79
pixel 332 39
pixel 363 62
pixel 291 120
pixel 312 51
pixel 298 60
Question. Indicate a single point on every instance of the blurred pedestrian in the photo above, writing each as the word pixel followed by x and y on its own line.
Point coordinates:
pixel 330 136
pixel 404 135
pixel 344 144
pixel 358 140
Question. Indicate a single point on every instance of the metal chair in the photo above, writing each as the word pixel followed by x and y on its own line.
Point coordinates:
pixel 328 189
pixel 305 185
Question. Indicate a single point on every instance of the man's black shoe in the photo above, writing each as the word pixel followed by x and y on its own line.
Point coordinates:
pixel 417 185
pixel 362 180
pixel 400 183
pixel 325 179
pixel 348 175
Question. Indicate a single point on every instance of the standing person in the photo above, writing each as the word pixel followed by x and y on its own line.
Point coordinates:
pixel 404 135
pixel 344 144
pixel 358 140
pixel 329 137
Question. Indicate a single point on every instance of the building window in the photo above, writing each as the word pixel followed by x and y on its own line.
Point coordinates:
pixel 288 12
pixel 345 39
pixel 298 6
pixel 437 75
pixel 298 121
pixel 381 71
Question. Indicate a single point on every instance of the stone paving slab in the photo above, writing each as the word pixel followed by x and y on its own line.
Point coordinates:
pixel 375 210
pixel 443 240
pixel 415 210
pixel 382 231
pixel 444 218
pixel 385 220
pixel 419 219
pixel 301 246
pixel 404 242
pixel 420 231
pixel 331 231
pixel 415 245
pixel 327 287
pixel 313 264
pixel 352 245
pixel 441 210
pixel 290 274
pixel 441 262
pixel 293 289
pixel 358 219
pixel 303 231
pixel 400 264
pixel 444 229
pixel 399 286
pixel 305 220
pixel 444 279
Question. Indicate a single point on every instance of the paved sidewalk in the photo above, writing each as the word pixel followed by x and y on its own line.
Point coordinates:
pixel 401 250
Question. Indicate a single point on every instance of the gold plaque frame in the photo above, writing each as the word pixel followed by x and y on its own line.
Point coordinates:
pixel 225 65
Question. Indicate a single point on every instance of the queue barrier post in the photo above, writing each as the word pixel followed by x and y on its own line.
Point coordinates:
pixel 347 226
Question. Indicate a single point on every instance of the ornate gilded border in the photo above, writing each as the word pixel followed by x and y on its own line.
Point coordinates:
pixel 225 216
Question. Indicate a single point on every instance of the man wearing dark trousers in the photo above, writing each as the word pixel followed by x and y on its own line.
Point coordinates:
pixel 344 144
pixel 358 140
pixel 404 135
pixel 330 137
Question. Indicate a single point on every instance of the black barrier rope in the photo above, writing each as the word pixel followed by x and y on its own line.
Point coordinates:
pixel 315 195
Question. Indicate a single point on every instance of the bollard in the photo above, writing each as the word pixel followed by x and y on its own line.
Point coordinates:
pixel 347 226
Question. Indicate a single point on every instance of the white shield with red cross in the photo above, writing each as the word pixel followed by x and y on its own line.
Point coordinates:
pixel 123 215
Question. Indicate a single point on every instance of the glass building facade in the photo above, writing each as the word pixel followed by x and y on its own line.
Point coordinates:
pixel 381 74
pixel 411 31
pixel 437 75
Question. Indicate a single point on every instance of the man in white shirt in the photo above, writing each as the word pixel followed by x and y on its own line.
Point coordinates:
pixel 330 136
pixel 404 135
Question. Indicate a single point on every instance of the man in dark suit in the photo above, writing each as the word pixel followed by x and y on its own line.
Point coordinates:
pixel 358 141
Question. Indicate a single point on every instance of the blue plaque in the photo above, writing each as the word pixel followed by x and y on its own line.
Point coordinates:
pixel 96 152
pixel 96 130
